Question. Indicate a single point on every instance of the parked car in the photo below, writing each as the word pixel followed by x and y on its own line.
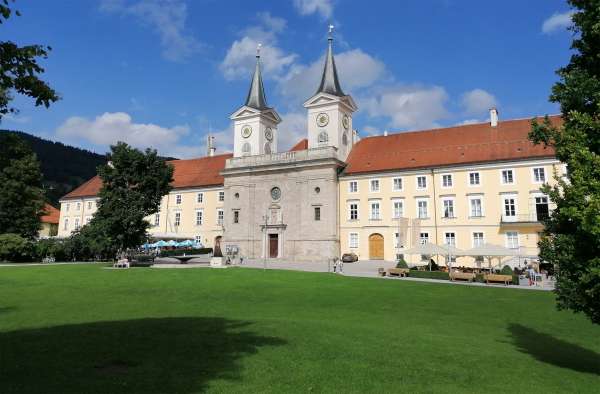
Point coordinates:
pixel 349 258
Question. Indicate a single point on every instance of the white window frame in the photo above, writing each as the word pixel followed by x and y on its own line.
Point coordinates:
pixel 503 198
pixel 478 179
pixel 177 219
pixel 77 224
pixel 534 177
pixel 201 217
pixel 401 181
pixel 156 219
pixel 220 216
pixel 88 219
pixel 514 178
pixel 89 205
pixel 200 198
pixel 221 196
pixel 507 239
pixel 351 244
pixel 67 206
pixel 350 203
pixel 394 202
pixel 426 201
pixel 451 178
pixel 78 207
pixel 417 182
pixel 350 183
pixel 371 181
pixel 178 199
pixel 480 198
pixel 421 238
pixel 453 201
pixel 473 243
pixel 371 211
pixel 66 224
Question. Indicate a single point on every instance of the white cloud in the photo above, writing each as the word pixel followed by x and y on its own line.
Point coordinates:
pixel 469 121
pixel 322 7
pixel 477 102
pixel 108 128
pixel 556 22
pixel 166 17
pixel 409 107
pixel 291 130
pixel 15 118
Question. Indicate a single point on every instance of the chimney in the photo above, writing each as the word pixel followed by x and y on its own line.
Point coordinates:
pixel 210 145
pixel 493 117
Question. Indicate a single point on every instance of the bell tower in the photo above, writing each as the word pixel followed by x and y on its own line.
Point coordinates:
pixel 255 123
pixel 330 110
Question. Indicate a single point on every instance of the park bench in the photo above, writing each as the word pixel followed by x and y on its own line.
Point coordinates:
pixel 468 276
pixel 506 279
pixel 402 272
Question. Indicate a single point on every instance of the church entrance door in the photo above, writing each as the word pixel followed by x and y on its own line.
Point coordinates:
pixel 376 247
pixel 273 245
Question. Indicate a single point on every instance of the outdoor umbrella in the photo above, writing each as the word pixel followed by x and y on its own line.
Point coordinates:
pixel 426 248
pixel 161 244
pixel 489 251
pixel 171 243
pixel 451 250
pixel 185 243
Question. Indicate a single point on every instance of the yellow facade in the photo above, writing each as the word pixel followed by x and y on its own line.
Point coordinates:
pixel 520 229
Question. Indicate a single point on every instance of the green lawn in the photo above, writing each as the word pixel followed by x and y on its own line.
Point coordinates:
pixel 86 329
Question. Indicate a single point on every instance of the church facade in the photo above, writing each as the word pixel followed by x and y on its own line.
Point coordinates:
pixel 334 193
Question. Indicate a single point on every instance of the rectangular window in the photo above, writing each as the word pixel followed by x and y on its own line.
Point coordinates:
pixel 156 219
pixel 67 207
pixel 539 175
pixel 397 184
pixel 89 205
pixel 421 182
pixel 88 220
pixel 198 239
pixel 221 196
pixel 317 213
pixel 510 207
pixel 200 197
pixel 398 209
pixel 353 211
pixel 450 239
pixel 374 185
pixel 397 243
pixel 66 225
pixel 422 209
pixel 199 217
pixel 447 180
pixel 423 238
pixel 477 239
pixel 474 179
pixel 178 199
pixel 512 239
pixel 542 209
pixel 375 212
pixel 476 210
pixel 507 177
pixel 76 223
pixel 78 206
pixel 448 208
pixel 220 217
pixel 353 186
pixel 353 240
pixel 236 216
pixel 177 219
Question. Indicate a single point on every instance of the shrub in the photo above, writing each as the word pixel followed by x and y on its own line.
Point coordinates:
pixel 429 275
pixel 401 263
pixel 479 278
pixel 178 252
pixel 50 248
pixel 506 270
pixel 15 248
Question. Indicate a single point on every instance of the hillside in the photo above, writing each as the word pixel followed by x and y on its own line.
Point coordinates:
pixel 64 167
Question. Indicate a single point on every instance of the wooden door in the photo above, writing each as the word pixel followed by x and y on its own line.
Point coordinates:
pixel 273 245
pixel 217 249
pixel 376 247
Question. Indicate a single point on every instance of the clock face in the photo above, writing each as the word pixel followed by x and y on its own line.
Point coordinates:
pixel 275 193
pixel 246 131
pixel 346 121
pixel 322 119
pixel 269 134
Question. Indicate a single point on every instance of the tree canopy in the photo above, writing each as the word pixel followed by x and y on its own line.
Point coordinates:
pixel 571 238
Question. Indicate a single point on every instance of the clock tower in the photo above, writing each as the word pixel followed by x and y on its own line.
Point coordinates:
pixel 330 110
pixel 255 123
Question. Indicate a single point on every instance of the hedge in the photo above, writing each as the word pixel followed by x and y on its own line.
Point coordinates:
pixel 187 252
pixel 429 275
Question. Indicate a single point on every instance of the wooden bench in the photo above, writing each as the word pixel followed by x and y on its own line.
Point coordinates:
pixel 468 276
pixel 506 279
pixel 401 272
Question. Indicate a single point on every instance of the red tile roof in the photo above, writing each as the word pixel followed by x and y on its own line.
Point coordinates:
pixel 204 171
pixel 467 144
pixel 301 145
pixel 51 215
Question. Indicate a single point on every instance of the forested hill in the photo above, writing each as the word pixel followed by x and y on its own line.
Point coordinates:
pixel 64 167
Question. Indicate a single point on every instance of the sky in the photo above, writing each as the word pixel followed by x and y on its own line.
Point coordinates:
pixel 164 73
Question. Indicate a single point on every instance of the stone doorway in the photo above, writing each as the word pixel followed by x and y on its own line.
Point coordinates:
pixel 376 247
pixel 273 245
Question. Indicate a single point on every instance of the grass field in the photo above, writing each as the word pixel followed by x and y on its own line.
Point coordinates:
pixel 85 329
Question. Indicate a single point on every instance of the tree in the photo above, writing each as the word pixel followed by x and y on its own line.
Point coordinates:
pixel 571 238
pixel 133 184
pixel 21 195
pixel 19 70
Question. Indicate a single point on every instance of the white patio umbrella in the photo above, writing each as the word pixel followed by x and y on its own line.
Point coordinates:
pixel 427 248
pixel 489 251
pixel 451 250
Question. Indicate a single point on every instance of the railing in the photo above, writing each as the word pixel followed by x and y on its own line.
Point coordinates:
pixel 282 157
pixel 531 217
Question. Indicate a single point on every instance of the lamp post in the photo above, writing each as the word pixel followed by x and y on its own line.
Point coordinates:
pixel 265 217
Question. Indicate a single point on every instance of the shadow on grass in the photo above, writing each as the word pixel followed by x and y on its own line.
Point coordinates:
pixel 162 355
pixel 551 350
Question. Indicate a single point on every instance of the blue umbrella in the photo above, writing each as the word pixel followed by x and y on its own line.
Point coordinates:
pixel 187 242
pixel 171 243
pixel 161 244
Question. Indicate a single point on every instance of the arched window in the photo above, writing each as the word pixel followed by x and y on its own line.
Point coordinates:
pixel 323 138
pixel 345 138
pixel 246 149
pixel 267 148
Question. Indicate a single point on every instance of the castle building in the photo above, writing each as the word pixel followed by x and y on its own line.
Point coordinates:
pixel 334 193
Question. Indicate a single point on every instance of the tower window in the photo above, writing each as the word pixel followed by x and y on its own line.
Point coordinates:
pixel 345 138
pixel 246 149
pixel 267 148
pixel 317 213
pixel 323 138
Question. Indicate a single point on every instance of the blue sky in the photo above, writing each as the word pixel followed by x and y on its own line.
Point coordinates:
pixel 161 73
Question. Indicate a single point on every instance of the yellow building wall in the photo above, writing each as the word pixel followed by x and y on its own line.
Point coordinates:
pixel 491 191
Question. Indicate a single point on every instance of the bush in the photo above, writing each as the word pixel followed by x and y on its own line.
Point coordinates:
pixel 50 248
pixel 401 264
pixel 479 278
pixel 429 275
pixel 506 270
pixel 15 248
pixel 178 252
